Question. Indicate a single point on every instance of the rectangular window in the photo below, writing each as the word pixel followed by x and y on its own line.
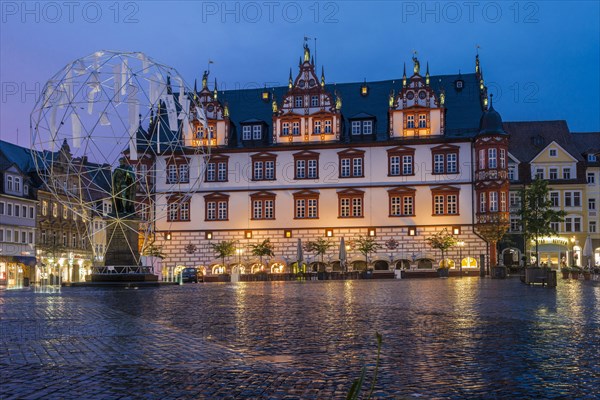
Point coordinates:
pixel 300 169
pixel 438 204
pixel 408 205
pixel 438 164
pixel 591 178
pixel 592 226
pixel 451 163
pixel 312 168
pixel 422 121
pixel 9 208
pixel 481 159
pixel 184 211
pixel 591 204
pixel 314 101
pixel 357 207
pixel 258 170
pixel 222 211
pixel 285 128
pixel 539 173
pixel 210 172
pixel 553 173
pixel 573 224
pixel 17 210
pixel 511 173
pixel 54 210
pixel 568 199
pixel 23 237
pixel 345 207
pixel 1 235
pixel 555 226
pixel 452 204
pixel 222 171
pixel 492 162
pixel 312 208
pixel 357 169
pixel 269 209
pixel 74 240
pixel 482 202
pixel 256 132
pixel 345 165
pixel 356 127
pixel 300 208
pixel 396 206
pixel 395 165
pixel 298 101
pixel 184 173
pixel 493 201
pixel 591 158
pixel 17 184
pixel 553 153
pixel 8 235
pixel 576 199
pixel 173 212
pixel 296 128
pixel 246 132
pixel 503 202
pixel 328 126
pixel 172 173
pixel 317 127
pixel 211 210
pixel 65 212
pixel 407 165
pixel 9 184
pixel 410 121
pixel 502 158
pixel 16 236
pixel 367 127
pixel 31 212
pixel 555 199
pixel 566 173
pixel 257 209
pixel 269 170
pixel 2 209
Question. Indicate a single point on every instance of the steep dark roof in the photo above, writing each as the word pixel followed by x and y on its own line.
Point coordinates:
pixel 20 156
pixel 527 139
pixel 491 123
pixel 462 116
pixel 587 142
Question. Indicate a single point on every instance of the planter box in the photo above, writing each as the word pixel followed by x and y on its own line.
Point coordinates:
pixel 543 276
pixel 565 274
pixel 498 272
pixel 575 275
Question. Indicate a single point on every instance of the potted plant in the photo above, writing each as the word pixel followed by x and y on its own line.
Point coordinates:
pixel 224 249
pixel 565 272
pixel 587 274
pixel 575 271
pixel 442 241
pixel 265 248
pixel 319 247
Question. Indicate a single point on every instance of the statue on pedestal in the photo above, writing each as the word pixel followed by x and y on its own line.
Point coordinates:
pixel 124 188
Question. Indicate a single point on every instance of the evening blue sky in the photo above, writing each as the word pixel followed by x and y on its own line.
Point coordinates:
pixel 540 59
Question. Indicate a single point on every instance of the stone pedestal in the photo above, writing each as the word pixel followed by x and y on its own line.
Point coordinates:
pixel 122 241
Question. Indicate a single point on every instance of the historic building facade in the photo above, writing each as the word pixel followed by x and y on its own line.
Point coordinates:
pixel 391 159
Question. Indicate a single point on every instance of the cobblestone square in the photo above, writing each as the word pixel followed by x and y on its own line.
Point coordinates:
pixel 442 338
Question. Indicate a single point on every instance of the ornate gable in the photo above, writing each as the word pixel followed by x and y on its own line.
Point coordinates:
pixel 307 112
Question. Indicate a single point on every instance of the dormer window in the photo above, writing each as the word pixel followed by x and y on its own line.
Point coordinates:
pixel 553 153
pixel 410 121
pixel 459 84
pixel 298 101
pixel 591 158
pixel 256 132
pixel 362 127
pixel 314 101
pixel 422 121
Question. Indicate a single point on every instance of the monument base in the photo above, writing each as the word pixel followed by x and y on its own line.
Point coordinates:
pixel 129 278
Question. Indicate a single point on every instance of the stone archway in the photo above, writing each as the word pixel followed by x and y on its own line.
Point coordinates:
pixel 511 256
pixel 381 265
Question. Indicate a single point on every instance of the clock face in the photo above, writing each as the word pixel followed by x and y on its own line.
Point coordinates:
pixel 302 83
pixel 311 83
pixel 410 95
pixel 422 95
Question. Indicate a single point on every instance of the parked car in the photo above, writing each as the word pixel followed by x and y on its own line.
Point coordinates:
pixel 190 275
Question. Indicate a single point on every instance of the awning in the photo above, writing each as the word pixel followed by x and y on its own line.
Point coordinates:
pixel 26 260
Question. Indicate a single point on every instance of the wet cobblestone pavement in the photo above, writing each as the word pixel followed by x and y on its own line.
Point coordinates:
pixel 442 338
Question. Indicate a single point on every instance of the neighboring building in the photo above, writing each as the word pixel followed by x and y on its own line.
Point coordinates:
pixel 17 220
pixel 548 150
pixel 390 159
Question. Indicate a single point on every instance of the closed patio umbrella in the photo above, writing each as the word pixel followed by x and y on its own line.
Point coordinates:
pixel 343 255
pixel 299 255
pixel 587 250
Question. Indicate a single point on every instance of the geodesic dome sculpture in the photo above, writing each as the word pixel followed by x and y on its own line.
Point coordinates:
pixel 114 113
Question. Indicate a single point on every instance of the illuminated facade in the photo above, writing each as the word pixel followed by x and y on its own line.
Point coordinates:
pixel 394 159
